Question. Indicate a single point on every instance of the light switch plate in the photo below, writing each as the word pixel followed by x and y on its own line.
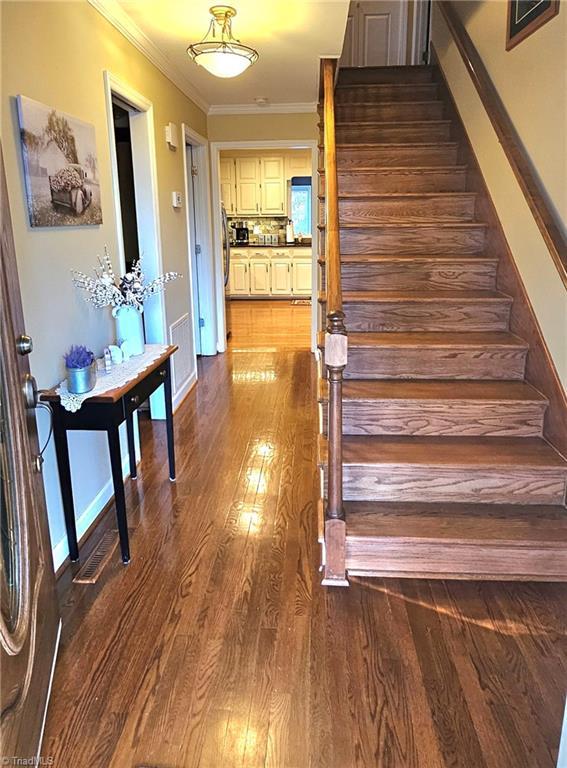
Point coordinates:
pixel 176 199
pixel 171 135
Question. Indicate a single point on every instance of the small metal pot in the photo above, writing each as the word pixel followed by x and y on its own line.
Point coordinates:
pixel 81 380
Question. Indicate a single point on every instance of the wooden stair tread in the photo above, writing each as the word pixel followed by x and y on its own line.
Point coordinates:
pixel 384 103
pixel 409 169
pixel 423 296
pixel 430 339
pixel 362 196
pixel 391 123
pixel 459 523
pixel 456 452
pixel 487 391
pixel 462 225
pixel 379 258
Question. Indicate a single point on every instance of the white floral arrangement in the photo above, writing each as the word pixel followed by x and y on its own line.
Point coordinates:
pixel 131 290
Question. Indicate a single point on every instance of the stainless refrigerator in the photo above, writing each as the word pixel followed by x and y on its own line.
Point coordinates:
pixel 226 267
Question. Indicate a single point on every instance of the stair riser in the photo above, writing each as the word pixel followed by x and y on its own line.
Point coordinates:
pixel 454 560
pixel 435 363
pixel 417 275
pixel 372 94
pixel 377 75
pixel 396 156
pixel 396 180
pixel 437 419
pixel 427 316
pixel 407 210
pixel 506 485
pixel 407 240
pixel 367 134
pixel 427 110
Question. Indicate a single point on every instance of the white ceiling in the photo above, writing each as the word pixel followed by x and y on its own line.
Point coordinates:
pixel 290 36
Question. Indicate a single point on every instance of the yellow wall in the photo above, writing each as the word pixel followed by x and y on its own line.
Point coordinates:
pixel 255 127
pixel 531 79
pixel 56 52
pixel 543 284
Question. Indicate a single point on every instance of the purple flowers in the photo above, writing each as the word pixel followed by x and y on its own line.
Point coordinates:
pixel 79 357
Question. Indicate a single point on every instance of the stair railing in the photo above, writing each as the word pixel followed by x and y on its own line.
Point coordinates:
pixel 530 185
pixel 335 337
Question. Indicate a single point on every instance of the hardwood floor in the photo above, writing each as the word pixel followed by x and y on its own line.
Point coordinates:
pixel 217 647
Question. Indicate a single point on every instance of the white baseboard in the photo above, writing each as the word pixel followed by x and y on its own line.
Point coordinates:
pixel 184 390
pixel 89 515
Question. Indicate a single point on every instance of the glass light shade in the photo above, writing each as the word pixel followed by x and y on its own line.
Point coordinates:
pixel 219 52
pixel 222 61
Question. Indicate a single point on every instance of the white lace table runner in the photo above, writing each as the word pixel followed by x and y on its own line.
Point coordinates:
pixel 117 376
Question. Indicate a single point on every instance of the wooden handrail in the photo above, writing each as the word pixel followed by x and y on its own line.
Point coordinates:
pixel 332 248
pixel 335 337
pixel 509 139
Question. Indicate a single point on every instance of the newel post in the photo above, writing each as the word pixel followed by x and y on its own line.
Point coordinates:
pixel 335 527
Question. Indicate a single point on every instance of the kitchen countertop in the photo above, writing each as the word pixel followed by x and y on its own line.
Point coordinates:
pixel 280 245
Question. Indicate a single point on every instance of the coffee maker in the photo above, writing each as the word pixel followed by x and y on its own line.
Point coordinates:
pixel 241 233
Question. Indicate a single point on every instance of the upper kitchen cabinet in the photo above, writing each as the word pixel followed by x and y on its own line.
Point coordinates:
pixel 247 186
pixel 228 184
pixel 273 186
pixel 297 165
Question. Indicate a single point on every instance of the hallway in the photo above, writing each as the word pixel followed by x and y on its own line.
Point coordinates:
pixel 216 647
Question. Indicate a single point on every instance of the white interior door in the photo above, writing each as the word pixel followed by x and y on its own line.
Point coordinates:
pixel 376 36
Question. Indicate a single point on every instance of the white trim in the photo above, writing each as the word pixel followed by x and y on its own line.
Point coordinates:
pixel 89 514
pixel 184 390
pixel 268 109
pixel 49 687
pixel 207 295
pixel 216 147
pixel 403 42
pixel 117 16
pixel 420 32
pixel 562 757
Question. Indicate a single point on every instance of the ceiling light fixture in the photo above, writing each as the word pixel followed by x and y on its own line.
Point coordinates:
pixel 219 52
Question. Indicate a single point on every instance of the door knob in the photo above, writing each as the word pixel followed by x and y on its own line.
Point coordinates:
pixel 24 344
pixel 29 389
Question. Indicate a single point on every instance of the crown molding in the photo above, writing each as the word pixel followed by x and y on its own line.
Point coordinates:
pixel 269 109
pixel 117 16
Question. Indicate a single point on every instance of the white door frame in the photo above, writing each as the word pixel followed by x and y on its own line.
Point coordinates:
pixel 147 207
pixel 205 285
pixel 216 147
pixel 420 30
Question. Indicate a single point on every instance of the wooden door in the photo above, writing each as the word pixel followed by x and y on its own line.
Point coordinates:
pixel 247 186
pixel 302 277
pixel 281 277
pixel 239 279
pixel 260 277
pixel 228 184
pixel 273 186
pixel 29 616
pixel 376 34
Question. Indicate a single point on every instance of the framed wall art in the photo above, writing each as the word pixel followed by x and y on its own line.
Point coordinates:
pixel 60 167
pixel 525 16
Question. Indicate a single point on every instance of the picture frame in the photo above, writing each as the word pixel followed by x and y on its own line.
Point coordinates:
pixel 526 16
pixel 60 164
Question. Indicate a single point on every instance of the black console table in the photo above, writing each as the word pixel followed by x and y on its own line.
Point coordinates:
pixel 106 412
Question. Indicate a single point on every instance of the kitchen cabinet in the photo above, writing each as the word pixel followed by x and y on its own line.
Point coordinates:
pixel 259 277
pixel 247 186
pixel 297 165
pixel 239 277
pixel 272 196
pixel 281 276
pixel 227 173
pixel 301 284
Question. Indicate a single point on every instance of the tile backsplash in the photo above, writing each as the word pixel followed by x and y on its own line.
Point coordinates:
pixel 261 226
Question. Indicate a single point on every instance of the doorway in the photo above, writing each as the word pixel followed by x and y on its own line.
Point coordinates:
pixel 146 240
pixel 375 34
pixel 125 167
pixel 199 240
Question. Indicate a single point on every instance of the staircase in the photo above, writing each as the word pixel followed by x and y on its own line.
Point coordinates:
pixel 446 470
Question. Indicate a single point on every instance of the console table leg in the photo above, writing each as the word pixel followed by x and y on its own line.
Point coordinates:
pixel 119 497
pixel 62 454
pixel 131 446
pixel 169 421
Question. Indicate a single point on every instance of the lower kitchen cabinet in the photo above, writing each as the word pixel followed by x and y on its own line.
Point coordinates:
pixel 239 278
pixel 259 277
pixel 301 284
pixel 281 277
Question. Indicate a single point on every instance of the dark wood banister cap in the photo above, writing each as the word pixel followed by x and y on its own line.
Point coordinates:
pixel 530 185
